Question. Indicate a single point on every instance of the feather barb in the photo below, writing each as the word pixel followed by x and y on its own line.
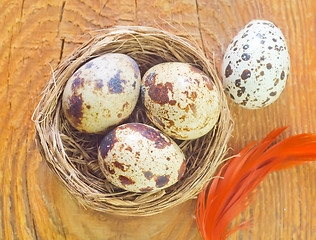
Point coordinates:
pixel 231 191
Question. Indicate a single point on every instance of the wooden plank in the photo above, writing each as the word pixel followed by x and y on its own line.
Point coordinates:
pixel 37 35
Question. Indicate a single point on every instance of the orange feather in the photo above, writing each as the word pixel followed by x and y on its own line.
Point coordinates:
pixel 231 191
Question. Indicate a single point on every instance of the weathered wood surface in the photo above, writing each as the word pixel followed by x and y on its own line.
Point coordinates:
pixel 36 35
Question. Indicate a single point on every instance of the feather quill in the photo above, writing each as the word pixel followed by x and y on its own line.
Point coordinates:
pixel 231 192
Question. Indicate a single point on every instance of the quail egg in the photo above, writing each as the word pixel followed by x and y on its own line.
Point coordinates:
pixel 101 93
pixel 180 99
pixel 139 158
pixel 256 65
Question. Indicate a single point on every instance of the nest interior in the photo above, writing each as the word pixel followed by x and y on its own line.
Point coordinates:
pixel 73 156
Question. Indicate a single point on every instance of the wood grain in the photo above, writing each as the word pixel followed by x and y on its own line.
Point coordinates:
pixel 37 35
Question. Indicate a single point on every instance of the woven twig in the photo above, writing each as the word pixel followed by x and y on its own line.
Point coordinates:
pixel 72 155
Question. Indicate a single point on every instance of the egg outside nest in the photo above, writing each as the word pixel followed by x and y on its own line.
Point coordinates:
pixel 256 65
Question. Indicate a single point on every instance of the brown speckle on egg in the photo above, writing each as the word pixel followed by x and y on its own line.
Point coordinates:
pixel 125 180
pixel 151 134
pixel 206 80
pixel 172 102
pixel 273 93
pixel 98 84
pixel 197 82
pixel 119 165
pixel 282 75
pixel 115 84
pixel 106 113
pixel 237 83
pixel 75 112
pixel 245 74
pixel 193 108
pixel 261 36
pixel 108 169
pixel 269 66
pixel 77 83
pixel 161 181
pixel 181 170
pixel 146 189
pixel 129 149
pixel 208 83
pixel 170 123
pixel 268 23
pixel 148 175
pixel 159 92
pixel 89 65
pixel 134 84
pixel 190 95
pixel 108 143
pixel 245 56
pixel 246 46
pixel 125 106
pixel 277 48
pixel 244 102
pixel 267 100
pixel 228 70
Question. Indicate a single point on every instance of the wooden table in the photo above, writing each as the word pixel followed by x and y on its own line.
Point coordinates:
pixel 37 35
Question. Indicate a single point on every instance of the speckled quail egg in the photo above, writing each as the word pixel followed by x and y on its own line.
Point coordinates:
pixel 102 92
pixel 256 65
pixel 180 100
pixel 139 158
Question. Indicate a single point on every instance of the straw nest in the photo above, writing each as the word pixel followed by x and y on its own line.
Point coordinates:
pixel 73 156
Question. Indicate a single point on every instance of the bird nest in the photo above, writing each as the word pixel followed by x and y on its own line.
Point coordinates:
pixel 73 156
